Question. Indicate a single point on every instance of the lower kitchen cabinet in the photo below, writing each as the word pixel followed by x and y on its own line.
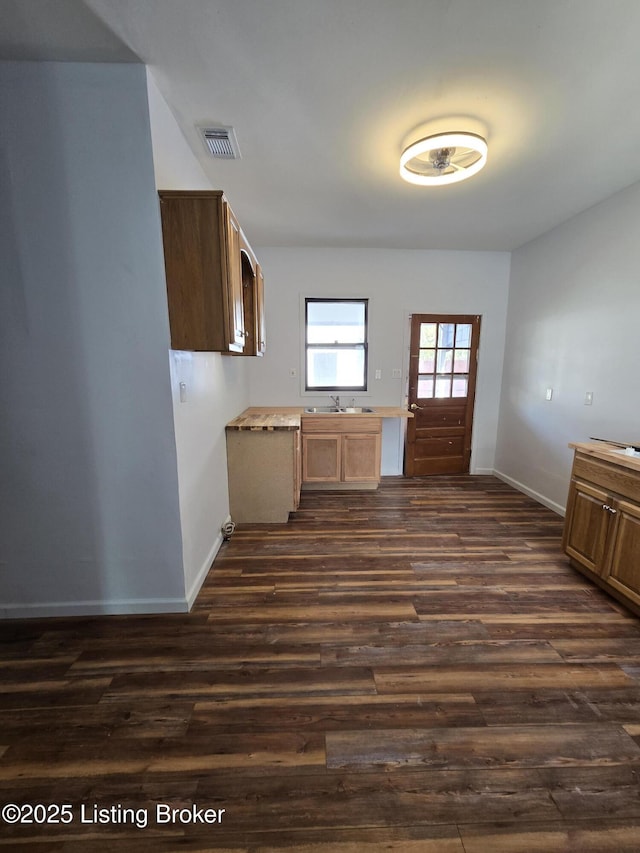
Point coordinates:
pixel 602 524
pixel 341 451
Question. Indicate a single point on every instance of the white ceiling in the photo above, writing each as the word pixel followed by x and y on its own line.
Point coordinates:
pixel 323 94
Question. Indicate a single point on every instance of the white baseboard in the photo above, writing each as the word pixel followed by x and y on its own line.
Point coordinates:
pixel 116 607
pixel 541 499
pixel 93 608
pixel 194 589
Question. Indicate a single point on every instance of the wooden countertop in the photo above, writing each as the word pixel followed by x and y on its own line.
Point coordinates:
pixel 288 417
pixel 266 420
pixel 608 453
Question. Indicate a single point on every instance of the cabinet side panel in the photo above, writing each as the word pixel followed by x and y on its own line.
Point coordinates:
pixel 262 475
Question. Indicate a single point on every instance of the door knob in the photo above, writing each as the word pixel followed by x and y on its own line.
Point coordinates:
pixel 415 406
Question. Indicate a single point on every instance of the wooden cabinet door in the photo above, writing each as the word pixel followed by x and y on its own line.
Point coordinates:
pixel 235 307
pixel 253 301
pixel 360 458
pixel 587 525
pixel 261 335
pixel 623 564
pixel 321 458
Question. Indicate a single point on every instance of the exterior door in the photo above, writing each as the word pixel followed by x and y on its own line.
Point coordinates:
pixel 442 382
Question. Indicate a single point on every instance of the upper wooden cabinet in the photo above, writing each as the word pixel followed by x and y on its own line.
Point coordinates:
pixel 252 300
pixel 212 275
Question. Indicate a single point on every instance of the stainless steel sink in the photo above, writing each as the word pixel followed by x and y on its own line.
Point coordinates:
pixel 335 410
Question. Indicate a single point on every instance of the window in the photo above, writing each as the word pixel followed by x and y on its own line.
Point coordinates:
pixel 336 344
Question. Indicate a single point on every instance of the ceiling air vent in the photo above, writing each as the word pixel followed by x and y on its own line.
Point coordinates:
pixel 221 142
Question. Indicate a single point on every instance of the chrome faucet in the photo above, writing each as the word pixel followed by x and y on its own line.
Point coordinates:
pixel 336 400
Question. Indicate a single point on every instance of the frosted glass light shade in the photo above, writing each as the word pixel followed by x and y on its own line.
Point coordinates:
pixel 444 158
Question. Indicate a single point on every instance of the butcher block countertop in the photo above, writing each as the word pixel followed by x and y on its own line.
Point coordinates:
pixel 266 419
pixel 271 418
pixel 608 453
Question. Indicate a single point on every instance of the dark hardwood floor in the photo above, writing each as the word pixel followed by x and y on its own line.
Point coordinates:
pixel 415 669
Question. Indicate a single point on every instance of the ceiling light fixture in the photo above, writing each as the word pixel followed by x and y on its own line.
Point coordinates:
pixel 443 158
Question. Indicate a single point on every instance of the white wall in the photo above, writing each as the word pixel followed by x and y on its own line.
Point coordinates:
pixel 216 386
pixel 397 283
pixel 573 317
pixel 88 487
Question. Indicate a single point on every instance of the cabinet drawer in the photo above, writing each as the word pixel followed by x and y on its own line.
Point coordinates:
pixel 625 483
pixel 341 424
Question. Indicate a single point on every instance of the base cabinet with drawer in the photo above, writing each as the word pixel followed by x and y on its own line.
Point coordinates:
pixel 341 451
pixel 602 523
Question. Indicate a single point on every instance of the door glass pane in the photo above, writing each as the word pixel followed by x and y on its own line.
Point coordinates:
pixel 427 361
pixel 443 386
pixel 428 334
pixel 445 357
pixel 463 335
pixel 460 384
pixel 445 335
pixel 425 387
pixel 461 362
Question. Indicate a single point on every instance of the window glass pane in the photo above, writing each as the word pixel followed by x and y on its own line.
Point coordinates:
pixel 445 358
pixel 461 362
pixel 445 335
pixel 428 334
pixel 460 384
pixel 425 387
pixel 427 361
pixel 335 368
pixel 443 386
pixel 335 322
pixel 463 335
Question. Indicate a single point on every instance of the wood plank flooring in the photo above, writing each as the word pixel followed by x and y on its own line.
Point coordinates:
pixel 416 669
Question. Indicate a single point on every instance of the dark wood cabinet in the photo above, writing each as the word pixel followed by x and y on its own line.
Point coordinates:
pixel 602 524
pixel 214 283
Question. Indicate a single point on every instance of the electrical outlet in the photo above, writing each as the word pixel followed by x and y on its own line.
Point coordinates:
pixel 549 394
pixel 588 398
pixel 378 374
pixel 396 373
